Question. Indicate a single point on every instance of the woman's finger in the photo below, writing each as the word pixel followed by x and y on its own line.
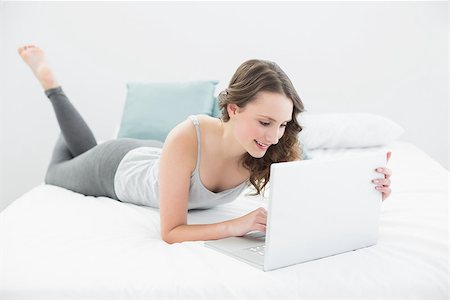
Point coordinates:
pixel 261 228
pixel 382 181
pixel 387 172
pixel 261 210
pixel 388 155
pixel 261 220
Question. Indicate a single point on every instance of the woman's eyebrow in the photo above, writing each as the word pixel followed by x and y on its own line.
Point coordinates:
pixel 271 119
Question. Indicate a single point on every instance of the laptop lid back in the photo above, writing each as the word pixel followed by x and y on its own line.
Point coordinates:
pixel 322 207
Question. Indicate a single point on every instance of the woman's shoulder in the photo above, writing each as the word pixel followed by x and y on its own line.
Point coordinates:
pixel 208 125
pixel 207 119
pixel 185 133
pixel 180 146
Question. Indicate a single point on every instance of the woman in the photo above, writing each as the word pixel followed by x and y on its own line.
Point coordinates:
pixel 204 161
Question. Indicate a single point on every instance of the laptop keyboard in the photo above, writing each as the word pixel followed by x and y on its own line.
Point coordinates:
pixel 258 249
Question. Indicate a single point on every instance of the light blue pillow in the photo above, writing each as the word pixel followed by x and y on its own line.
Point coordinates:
pixel 216 110
pixel 306 154
pixel 153 109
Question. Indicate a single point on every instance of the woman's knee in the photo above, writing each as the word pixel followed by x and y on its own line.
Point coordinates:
pixel 50 176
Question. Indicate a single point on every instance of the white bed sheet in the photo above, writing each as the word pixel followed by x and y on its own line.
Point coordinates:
pixel 57 244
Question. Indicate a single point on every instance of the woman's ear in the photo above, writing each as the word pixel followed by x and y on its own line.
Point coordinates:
pixel 232 109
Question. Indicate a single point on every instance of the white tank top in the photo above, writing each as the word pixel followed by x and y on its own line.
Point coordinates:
pixel 137 180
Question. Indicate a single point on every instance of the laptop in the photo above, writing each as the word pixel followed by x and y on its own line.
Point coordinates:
pixel 317 208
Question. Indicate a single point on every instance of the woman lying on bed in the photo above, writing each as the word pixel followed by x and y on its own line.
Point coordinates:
pixel 204 161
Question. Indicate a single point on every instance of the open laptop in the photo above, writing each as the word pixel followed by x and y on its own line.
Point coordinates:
pixel 317 208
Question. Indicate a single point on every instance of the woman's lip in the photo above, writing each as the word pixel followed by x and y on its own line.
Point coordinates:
pixel 261 147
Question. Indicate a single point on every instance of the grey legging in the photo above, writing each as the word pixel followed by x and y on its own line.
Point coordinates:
pixel 77 162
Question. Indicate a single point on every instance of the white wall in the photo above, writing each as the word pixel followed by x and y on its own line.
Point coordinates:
pixel 384 58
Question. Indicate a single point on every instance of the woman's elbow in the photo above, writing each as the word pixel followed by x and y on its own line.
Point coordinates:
pixel 166 237
pixel 171 236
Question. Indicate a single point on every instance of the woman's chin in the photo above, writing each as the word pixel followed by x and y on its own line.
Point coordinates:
pixel 257 154
pixel 256 151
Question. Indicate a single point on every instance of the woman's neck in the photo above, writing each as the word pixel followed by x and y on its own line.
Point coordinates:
pixel 229 148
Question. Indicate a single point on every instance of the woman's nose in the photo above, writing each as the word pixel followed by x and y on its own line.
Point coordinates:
pixel 273 136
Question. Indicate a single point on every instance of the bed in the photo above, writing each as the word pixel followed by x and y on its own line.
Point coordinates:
pixel 58 244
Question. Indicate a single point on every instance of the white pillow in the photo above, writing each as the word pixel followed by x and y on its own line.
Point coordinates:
pixel 347 130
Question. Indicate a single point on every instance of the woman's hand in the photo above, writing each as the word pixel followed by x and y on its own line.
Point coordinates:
pixel 383 184
pixel 255 220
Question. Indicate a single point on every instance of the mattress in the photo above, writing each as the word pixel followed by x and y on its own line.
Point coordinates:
pixel 58 244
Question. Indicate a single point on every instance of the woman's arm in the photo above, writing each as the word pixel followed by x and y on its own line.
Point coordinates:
pixel 199 232
pixel 255 220
pixel 178 161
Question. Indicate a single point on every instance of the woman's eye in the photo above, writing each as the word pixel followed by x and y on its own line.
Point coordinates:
pixel 267 124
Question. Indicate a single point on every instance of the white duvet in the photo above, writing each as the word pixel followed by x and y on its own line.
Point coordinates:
pixel 57 244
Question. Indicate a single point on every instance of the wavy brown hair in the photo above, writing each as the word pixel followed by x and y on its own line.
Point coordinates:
pixel 252 77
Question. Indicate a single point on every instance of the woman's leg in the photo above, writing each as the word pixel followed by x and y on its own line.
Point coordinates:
pixel 77 134
pixel 77 162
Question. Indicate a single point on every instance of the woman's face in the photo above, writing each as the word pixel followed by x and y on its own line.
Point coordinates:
pixel 261 123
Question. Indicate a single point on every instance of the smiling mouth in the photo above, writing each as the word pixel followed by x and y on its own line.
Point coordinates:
pixel 261 145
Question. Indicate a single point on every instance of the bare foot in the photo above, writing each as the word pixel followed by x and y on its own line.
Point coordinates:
pixel 35 59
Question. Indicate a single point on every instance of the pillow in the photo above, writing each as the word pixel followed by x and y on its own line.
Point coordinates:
pixel 305 151
pixel 153 109
pixel 216 110
pixel 347 130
